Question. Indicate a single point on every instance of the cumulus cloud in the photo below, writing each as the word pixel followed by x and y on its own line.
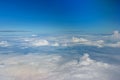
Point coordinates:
pixel 111 41
pixel 55 44
pixel 116 35
pixel 49 67
pixel 40 43
pixel 35 42
pixel 84 41
pixel 46 67
pixel 34 35
pixel 117 44
pixel 89 40
pixel 4 44
pixel 81 40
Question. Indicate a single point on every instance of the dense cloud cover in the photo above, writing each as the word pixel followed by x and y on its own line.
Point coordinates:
pixel 47 67
pixel 112 40
pixel 76 57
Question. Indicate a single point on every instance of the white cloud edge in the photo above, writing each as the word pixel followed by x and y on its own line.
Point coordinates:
pixel 46 67
pixel 4 44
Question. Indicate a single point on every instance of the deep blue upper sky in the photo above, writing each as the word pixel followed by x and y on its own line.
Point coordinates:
pixel 60 15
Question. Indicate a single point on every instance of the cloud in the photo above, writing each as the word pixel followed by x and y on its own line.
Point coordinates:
pixel 34 35
pixel 117 44
pixel 116 35
pixel 55 44
pixel 109 41
pixel 84 41
pixel 47 67
pixel 57 41
pixel 35 42
pixel 81 40
pixel 40 43
pixel 4 44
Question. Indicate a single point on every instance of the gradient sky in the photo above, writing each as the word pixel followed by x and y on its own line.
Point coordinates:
pixel 60 15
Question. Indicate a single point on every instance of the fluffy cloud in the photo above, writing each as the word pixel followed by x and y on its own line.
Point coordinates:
pixel 81 40
pixel 117 44
pixel 55 44
pixel 35 42
pixel 4 44
pixel 89 40
pixel 116 35
pixel 110 41
pixel 57 66
pixel 47 67
pixel 84 41
pixel 40 43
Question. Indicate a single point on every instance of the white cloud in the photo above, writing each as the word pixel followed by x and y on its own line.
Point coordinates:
pixel 55 44
pixel 84 41
pixel 34 35
pixel 35 42
pixel 117 44
pixel 81 40
pixel 4 44
pixel 85 61
pixel 99 43
pixel 116 35
pixel 89 40
pixel 47 67
pixel 40 43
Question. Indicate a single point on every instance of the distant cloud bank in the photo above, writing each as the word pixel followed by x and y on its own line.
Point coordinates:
pixel 61 57
pixel 89 40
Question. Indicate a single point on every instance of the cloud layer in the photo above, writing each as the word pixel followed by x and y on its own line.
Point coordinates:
pixel 59 57
pixel 59 41
pixel 4 44
pixel 47 67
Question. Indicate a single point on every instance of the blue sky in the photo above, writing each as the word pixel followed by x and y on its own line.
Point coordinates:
pixel 60 15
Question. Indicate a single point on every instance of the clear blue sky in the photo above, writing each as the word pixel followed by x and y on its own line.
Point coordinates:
pixel 60 15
